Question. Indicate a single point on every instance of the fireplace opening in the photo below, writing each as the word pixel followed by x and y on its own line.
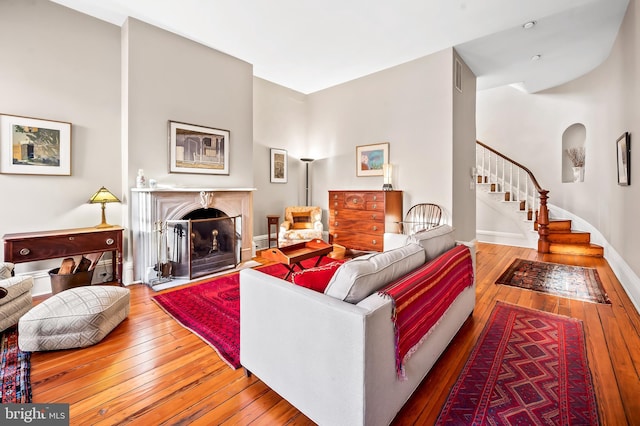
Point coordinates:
pixel 202 242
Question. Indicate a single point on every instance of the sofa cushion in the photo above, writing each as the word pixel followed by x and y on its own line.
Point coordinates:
pixel 362 276
pixel 434 241
pixel 316 278
pixel 301 220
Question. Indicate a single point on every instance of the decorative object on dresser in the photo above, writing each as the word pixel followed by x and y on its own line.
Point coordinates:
pixel 370 158
pixel 359 219
pixel 31 146
pixel 278 165
pixel 103 196
pixel 198 149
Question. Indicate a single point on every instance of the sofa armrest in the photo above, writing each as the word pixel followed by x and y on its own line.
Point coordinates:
pixel 285 226
pixel 6 270
pixel 304 344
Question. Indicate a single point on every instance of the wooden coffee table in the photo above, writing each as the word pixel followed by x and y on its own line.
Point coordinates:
pixel 293 254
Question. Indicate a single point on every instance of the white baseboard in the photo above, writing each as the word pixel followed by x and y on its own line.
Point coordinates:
pixel 503 238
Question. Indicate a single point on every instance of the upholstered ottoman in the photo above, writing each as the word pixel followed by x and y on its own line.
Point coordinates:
pixel 73 318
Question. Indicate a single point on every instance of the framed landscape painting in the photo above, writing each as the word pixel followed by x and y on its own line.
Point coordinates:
pixel 278 165
pixel 370 158
pixel 33 146
pixel 623 154
pixel 198 149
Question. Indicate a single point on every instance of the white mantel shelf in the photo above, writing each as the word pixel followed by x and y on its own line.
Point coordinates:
pixel 191 189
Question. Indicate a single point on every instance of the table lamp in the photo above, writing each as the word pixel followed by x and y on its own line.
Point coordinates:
pixel 103 196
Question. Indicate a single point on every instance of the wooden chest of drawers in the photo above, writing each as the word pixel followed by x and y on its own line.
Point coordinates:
pixel 358 219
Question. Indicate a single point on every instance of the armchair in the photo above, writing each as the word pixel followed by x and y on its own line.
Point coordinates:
pixel 15 296
pixel 301 223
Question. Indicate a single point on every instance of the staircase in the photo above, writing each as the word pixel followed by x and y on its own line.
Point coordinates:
pixel 515 184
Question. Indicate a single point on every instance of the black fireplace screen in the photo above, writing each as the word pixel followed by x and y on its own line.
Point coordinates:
pixel 198 247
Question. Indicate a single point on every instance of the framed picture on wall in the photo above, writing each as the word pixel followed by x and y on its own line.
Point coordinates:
pixel 198 149
pixel 33 146
pixel 623 154
pixel 278 165
pixel 370 158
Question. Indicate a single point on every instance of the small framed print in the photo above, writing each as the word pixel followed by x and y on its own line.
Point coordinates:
pixel 370 158
pixel 278 165
pixel 198 149
pixel 623 154
pixel 33 146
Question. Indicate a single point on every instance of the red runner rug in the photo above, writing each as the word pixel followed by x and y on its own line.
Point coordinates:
pixel 528 367
pixel 15 369
pixel 574 282
pixel 211 310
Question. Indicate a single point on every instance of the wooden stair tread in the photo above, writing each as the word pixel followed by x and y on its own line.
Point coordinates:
pixel 569 237
pixel 584 249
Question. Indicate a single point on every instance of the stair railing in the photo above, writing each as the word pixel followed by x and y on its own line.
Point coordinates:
pixel 506 174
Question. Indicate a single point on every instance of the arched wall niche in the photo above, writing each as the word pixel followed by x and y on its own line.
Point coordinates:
pixel 574 136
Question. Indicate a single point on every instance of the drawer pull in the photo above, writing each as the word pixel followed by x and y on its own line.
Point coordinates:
pixel 110 241
pixel 375 198
pixel 374 242
pixel 71 238
pixel 336 213
pixel 375 228
pixel 335 224
pixel 373 216
pixel 375 206
pixel 335 204
pixel 355 201
pixel 25 251
pixel 335 196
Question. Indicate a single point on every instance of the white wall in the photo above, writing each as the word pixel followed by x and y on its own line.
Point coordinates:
pixel 529 128
pixel 58 64
pixel 411 107
pixel 279 121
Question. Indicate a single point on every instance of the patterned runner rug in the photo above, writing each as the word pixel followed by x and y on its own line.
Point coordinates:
pixel 574 282
pixel 528 367
pixel 211 310
pixel 15 371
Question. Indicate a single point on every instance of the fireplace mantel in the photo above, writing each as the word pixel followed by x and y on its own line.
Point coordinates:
pixel 159 204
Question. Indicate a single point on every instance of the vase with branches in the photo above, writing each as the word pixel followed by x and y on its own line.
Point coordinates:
pixel 576 155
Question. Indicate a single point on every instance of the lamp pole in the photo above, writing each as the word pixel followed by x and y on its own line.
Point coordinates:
pixel 307 161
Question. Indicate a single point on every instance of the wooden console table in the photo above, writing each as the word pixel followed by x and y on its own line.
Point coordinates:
pixel 33 246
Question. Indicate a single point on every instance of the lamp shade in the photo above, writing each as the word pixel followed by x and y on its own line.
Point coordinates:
pixel 103 196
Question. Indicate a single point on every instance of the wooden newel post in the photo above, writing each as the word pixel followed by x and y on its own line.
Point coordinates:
pixel 543 223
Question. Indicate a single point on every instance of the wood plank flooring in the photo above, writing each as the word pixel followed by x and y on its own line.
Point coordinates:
pixel 152 371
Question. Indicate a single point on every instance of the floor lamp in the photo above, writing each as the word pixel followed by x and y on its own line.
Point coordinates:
pixel 307 161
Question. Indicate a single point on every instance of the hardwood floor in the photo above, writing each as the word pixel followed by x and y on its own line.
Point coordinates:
pixel 152 371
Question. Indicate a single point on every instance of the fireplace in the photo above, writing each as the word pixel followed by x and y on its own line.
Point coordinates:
pixel 191 231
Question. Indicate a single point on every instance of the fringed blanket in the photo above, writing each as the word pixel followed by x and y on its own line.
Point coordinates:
pixel 421 297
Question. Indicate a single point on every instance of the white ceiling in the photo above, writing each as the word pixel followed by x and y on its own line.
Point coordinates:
pixel 311 45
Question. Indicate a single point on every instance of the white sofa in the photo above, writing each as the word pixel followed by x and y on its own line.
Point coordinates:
pixel 335 360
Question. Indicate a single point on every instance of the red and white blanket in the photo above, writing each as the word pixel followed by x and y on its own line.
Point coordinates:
pixel 421 297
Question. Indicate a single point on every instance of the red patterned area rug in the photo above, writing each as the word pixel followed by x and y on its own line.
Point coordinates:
pixel 529 367
pixel 211 310
pixel 15 371
pixel 574 282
